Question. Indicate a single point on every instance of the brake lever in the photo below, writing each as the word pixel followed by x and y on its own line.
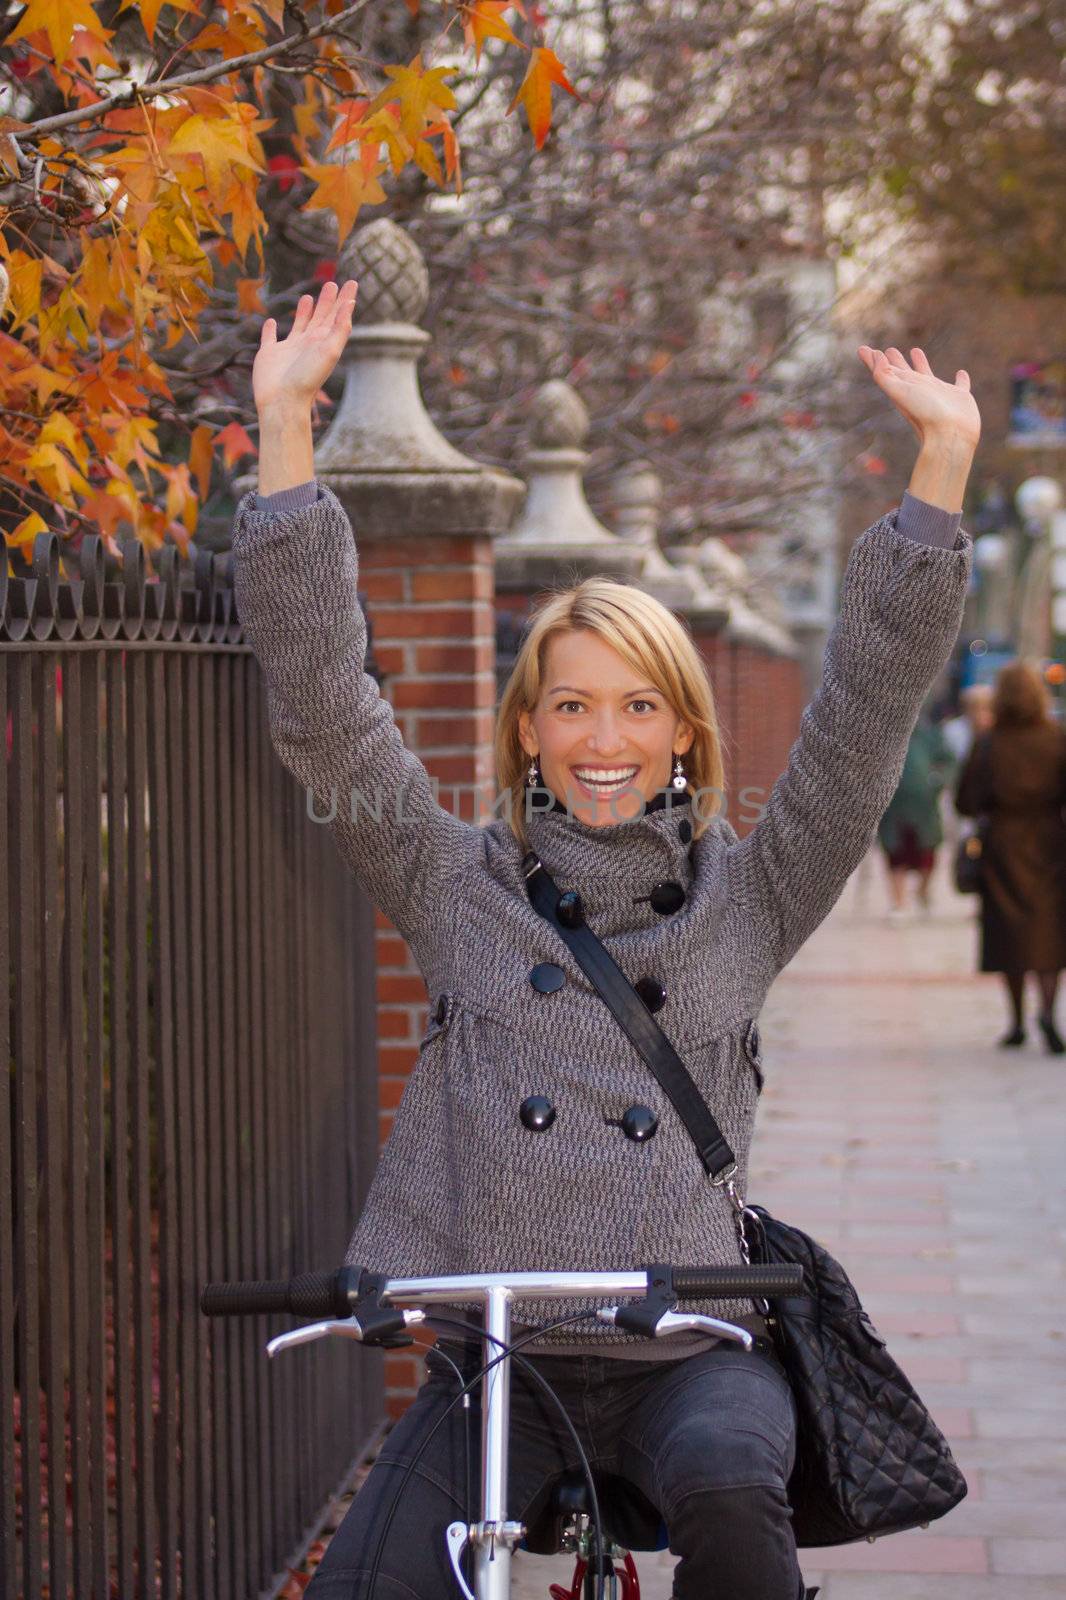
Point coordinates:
pixel 335 1328
pixel 686 1321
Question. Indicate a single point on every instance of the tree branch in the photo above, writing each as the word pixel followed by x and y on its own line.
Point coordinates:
pixel 184 80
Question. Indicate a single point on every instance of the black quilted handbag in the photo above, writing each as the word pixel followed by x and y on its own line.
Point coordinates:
pixel 870 1460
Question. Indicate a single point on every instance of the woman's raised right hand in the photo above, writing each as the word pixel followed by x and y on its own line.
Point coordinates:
pixel 289 372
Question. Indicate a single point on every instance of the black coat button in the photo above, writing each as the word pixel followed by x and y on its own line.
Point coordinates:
pixel 442 1009
pixel 684 830
pixel 536 1113
pixel 570 911
pixel 651 992
pixel 547 977
pixel 666 898
pixel 639 1123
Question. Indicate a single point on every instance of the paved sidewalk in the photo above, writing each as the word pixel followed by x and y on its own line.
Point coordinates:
pixel 933 1167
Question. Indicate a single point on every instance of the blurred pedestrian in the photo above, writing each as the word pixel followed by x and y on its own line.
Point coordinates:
pixel 974 717
pixel 1016 776
pixel 911 828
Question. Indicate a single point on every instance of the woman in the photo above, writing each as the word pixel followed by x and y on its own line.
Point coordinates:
pixel 1016 775
pixel 607 704
pixel 912 828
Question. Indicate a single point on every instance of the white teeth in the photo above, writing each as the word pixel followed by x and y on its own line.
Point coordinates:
pixel 614 778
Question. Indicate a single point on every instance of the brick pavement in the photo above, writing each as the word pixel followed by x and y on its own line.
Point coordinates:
pixel 934 1169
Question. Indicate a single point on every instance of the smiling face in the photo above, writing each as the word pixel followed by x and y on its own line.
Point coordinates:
pixel 604 736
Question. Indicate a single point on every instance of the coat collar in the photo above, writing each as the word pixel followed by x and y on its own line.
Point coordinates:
pixel 659 801
pixel 614 866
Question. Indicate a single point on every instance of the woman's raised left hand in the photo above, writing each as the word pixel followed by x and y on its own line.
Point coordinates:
pixel 933 407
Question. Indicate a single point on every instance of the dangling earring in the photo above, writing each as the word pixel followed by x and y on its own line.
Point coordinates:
pixel 533 776
pixel 679 780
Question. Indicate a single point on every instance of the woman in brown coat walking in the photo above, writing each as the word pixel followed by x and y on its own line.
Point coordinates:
pixel 1016 775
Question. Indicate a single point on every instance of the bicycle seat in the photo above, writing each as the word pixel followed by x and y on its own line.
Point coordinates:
pixel 628 1516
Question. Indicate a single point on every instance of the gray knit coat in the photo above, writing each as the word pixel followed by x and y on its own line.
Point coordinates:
pixel 462 1185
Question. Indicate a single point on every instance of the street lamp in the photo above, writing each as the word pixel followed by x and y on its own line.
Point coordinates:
pixel 1037 500
pixel 991 558
pixel 1039 503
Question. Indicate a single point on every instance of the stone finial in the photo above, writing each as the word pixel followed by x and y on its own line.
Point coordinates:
pixel 559 419
pixel 749 622
pixel 636 500
pixel 382 454
pixel 556 525
pixel 723 566
pixel 636 493
pixel 391 272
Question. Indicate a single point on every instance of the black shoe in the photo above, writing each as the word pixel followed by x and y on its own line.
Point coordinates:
pixel 1015 1037
pixel 1052 1037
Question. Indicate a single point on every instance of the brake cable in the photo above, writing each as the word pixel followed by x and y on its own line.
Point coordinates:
pixel 507 1351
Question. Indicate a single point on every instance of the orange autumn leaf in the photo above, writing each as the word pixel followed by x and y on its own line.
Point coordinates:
pixel 248 296
pixel 237 38
pixel 220 143
pixel 24 287
pixel 58 19
pixel 245 217
pixel 275 9
pixel 148 11
pixel 22 537
pixel 425 158
pixel 346 189
pixel 352 120
pixel 383 127
pixel 451 151
pixel 8 151
pixel 483 19
pixel 200 457
pixel 418 90
pixel 535 91
pixel 235 443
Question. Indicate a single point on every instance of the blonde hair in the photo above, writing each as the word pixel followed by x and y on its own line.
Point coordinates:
pixel 1021 697
pixel 653 642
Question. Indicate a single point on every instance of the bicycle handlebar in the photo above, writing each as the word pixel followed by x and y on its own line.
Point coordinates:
pixel 332 1294
pixel 311 1294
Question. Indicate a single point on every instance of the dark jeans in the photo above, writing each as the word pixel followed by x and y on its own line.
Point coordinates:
pixel 709 1440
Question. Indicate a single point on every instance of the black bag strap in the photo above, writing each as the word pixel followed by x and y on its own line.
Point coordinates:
pixel 566 916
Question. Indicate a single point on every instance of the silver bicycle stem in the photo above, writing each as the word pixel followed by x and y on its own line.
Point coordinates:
pixel 494 1538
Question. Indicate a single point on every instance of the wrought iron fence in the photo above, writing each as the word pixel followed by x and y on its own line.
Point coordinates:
pixel 190 1094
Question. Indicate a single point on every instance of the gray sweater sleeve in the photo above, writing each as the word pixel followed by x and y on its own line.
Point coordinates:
pixel 303 494
pixel 901 607
pixel 295 577
pixel 927 524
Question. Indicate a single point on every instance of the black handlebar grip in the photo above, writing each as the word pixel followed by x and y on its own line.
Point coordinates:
pixel 312 1294
pixel 737 1282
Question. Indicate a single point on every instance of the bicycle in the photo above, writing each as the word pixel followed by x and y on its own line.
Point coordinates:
pixel 367 1307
